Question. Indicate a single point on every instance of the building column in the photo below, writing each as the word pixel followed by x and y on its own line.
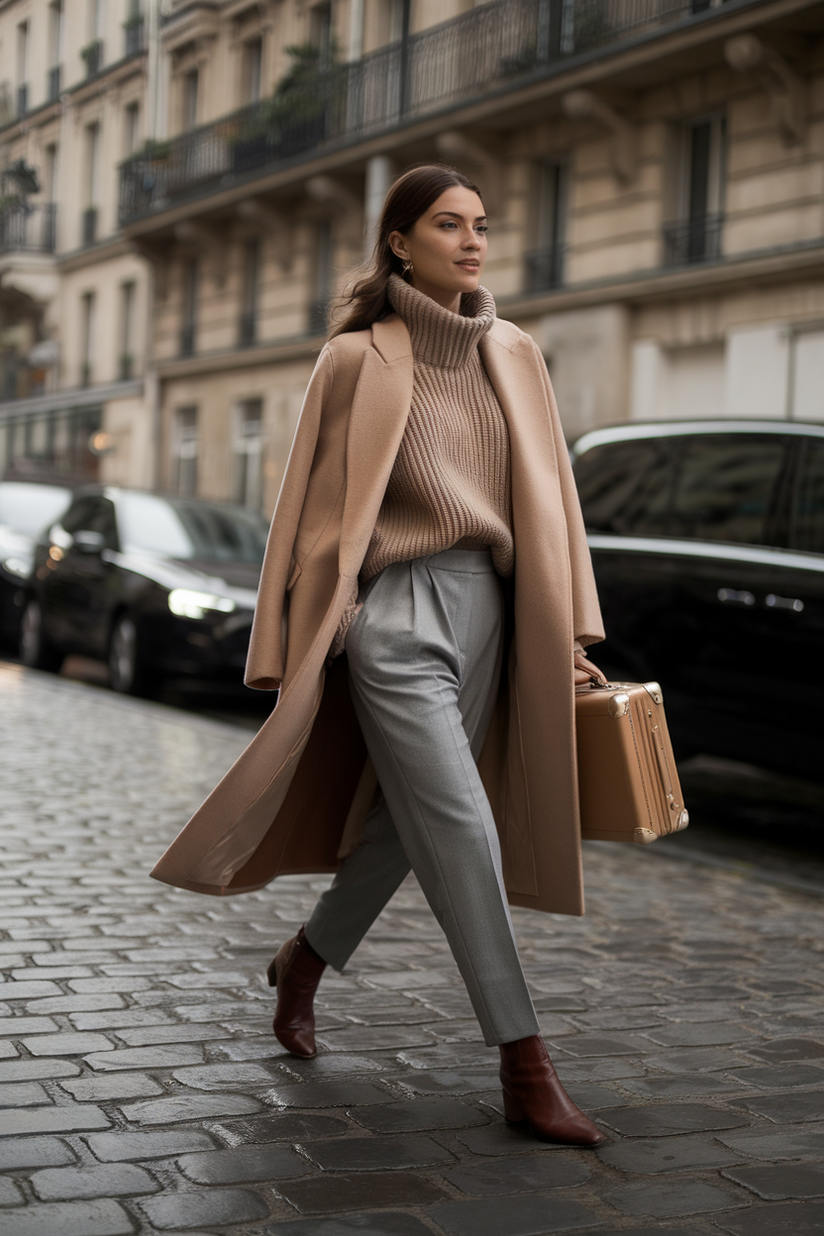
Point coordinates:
pixel 380 173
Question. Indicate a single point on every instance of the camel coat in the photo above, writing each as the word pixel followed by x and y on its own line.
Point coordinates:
pixel 296 798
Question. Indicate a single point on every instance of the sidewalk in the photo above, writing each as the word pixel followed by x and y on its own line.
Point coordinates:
pixel 143 1091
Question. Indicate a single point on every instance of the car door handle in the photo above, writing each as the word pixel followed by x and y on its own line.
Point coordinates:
pixel 735 596
pixel 775 602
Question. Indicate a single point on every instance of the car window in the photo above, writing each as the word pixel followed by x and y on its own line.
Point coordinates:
pixel 102 520
pixel 92 513
pixel 626 487
pixel 191 529
pixel 28 508
pixel 79 513
pixel 725 486
pixel 808 515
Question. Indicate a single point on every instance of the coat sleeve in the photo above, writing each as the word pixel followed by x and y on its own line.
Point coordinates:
pixel 267 645
pixel 588 626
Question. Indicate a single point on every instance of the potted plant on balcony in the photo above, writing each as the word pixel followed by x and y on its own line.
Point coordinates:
pixel 295 117
pixel 92 55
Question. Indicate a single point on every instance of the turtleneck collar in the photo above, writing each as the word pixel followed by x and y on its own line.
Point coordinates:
pixel 439 336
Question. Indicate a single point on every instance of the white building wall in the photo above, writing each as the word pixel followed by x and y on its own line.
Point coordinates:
pixel 808 376
pixel 677 383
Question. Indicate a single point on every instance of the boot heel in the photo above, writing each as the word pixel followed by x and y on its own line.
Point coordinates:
pixel 513 1112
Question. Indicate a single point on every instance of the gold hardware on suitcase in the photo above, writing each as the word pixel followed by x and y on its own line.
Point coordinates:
pixel 627 779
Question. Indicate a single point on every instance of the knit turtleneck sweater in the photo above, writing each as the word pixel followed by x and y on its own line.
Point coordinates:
pixel 450 484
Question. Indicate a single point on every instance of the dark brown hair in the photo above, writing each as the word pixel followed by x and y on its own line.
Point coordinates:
pixel 409 198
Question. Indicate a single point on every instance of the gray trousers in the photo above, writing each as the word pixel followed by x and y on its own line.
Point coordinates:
pixel 424 658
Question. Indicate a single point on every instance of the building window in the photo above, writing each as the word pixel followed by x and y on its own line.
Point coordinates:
pixel 322 290
pixel 131 128
pixel 252 65
pixel 55 49
pixel 92 53
pixel 249 297
pixel 188 323
pixel 22 68
pixel 87 325
pixel 544 264
pixel 92 185
pixel 50 196
pixel 190 93
pixel 127 322
pixel 133 29
pixel 184 479
pixel 696 235
pixel 249 453
pixel 392 20
pixel 321 33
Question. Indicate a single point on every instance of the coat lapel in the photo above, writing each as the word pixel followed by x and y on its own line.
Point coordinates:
pixel 380 408
pixel 512 370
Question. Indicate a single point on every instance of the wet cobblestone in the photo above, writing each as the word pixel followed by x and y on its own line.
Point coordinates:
pixel 141 1090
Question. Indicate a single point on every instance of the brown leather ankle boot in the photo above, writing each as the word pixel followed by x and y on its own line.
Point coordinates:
pixel 296 971
pixel 533 1095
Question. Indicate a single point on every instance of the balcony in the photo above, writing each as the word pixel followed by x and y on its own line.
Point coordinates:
pixel 693 240
pixel 544 268
pixel 92 56
pixel 22 101
pixel 133 29
pixel 53 83
pixel 28 228
pixel 498 47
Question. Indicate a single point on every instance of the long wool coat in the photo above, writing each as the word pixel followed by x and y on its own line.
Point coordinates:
pixel 296 798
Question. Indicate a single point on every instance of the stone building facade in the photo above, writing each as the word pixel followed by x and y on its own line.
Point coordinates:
pixel 653 172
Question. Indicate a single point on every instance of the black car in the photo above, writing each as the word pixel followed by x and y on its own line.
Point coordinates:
pixel 156 586
pixel 707 540
pixel 26 507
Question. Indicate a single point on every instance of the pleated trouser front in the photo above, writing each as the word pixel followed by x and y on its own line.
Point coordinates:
pixel 424 660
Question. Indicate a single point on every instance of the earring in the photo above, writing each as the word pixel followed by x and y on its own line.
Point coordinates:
pixel 407 267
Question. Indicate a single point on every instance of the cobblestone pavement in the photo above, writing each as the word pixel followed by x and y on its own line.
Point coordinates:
pixel 143 1091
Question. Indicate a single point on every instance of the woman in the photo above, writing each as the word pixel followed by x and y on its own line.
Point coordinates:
pixel 427 526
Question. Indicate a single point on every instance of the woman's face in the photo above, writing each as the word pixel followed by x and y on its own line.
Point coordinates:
pixel 446 246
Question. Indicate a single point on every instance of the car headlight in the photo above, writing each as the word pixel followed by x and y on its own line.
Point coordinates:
pixel 21 567
pixel 187 603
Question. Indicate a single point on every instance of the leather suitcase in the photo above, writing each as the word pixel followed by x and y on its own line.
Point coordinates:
pixel 627 779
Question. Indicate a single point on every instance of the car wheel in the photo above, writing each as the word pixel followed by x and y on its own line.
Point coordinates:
pixel 127 673
pixel 36 650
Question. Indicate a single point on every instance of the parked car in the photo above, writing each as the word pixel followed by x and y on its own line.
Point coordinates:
pixel 156 586
pixel 707 540
pixel 26 507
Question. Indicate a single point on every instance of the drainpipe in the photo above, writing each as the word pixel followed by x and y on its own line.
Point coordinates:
pixel 156 127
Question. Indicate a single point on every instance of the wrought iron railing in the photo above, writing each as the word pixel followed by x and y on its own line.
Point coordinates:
pixel 133 35
pixel 693 240
pixel 28 227
pixel 544 268
pixel 493 48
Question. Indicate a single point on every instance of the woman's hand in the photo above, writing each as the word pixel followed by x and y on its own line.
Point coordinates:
pixel 585 669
